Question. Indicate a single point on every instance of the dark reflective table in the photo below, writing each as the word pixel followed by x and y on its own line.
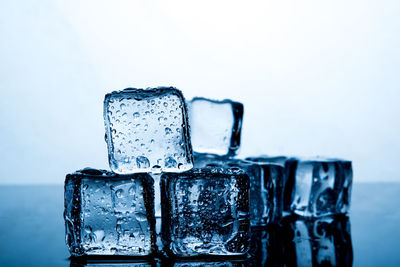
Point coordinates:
pixel 32 234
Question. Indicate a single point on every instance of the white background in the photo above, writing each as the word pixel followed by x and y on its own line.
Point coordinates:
pixel 316 77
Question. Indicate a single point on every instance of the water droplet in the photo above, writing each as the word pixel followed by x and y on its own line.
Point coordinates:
pixel 136 115
pixel 156 169
pixel 153 102
pixel 142 162
pixel 122 106
pixel 168 131
pixel 152 141
pixel 119 193
pixel 170 162
pixel 165 104
pixel 132 190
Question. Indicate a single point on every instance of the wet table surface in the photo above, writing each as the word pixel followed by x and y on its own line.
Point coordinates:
pixel 32 229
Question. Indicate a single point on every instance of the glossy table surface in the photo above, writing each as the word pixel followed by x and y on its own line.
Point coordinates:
pixel 32 227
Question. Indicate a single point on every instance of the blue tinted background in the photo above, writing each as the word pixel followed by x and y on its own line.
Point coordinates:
pixel 316 77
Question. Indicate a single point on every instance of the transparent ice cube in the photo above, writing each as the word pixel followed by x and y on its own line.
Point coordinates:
pixel 147 131
pixel 319 186
pixel 325 241
pixel 108 214
pixel 215 125
pixel 266 185
pixel 206 212
pixel 315 187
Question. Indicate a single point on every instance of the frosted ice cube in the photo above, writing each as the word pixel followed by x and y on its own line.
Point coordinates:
pixel 215 125
pixel 147 131
pixel 205 212
pixel 324 241
pixel 108 214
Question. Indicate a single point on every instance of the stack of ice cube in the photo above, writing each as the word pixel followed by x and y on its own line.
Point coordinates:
pixel 212 202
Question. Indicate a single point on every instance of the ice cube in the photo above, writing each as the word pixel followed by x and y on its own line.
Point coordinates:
pixel 266 185
pixel 325 241
pixel 108 214
pixel 206 212
pixel 315 187
pixel 147 131
pixel 318 186
pixel 266 191
pixel 215 125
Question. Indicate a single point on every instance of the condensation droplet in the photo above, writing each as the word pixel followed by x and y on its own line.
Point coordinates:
pixel 143 162
pixel 170 162
pixel 168 131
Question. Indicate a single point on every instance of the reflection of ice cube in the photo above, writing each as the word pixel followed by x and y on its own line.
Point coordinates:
pixel 76 262
pixel 266 246
pixel 205 212
pixel 210 263
pixel 266 185
pixel 147 130
pixel 215 125
pixel 107 214
pixel 324 241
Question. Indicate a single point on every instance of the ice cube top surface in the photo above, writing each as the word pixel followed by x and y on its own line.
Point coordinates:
pixel 205 212
pixel 215 125
pixel 147 131
pixel 109 214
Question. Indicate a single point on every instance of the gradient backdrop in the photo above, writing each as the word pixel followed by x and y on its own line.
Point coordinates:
pixel 316 77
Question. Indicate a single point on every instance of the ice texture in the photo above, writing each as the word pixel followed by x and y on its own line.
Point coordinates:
pixel 147 131
pixel 266 185
pixel 108 214
pixel 319 186
pixel 324 241
pixel 315 187
pixel 215 125
pixel 206 212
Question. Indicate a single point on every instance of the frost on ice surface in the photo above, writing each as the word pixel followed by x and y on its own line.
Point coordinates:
pixel 147 131
pixel 215 125
pixel 107 214
pixel 205 212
